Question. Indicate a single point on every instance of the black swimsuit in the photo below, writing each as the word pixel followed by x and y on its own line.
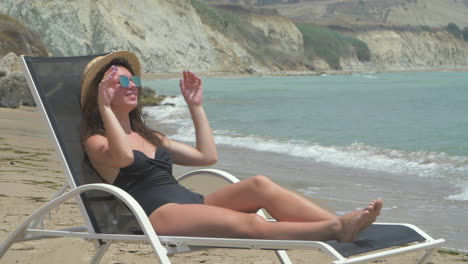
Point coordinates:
pixel 151 183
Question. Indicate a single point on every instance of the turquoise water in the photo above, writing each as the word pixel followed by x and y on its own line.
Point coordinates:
pixel 405 111
pixel 405 123
pixel 400 136
pixel 412 111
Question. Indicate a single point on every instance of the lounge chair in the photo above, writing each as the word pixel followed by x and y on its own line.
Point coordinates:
pixel 110 214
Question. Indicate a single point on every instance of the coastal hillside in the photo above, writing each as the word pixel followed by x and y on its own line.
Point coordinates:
pixel 387 35
pixel 410 49
pixel 434 13
pixel 255 37
pixel 168 35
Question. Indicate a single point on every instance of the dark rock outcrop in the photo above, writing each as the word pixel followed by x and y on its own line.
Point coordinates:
pixel 14 90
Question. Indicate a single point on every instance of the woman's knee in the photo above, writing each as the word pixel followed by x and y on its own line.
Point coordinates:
pixel 261 181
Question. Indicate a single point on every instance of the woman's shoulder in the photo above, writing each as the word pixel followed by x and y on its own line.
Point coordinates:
pixel 96 138
pixel 95 141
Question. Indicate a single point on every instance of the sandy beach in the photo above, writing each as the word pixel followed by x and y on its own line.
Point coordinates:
pixel 30 174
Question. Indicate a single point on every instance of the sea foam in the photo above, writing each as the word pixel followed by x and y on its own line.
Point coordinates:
pixel 463 196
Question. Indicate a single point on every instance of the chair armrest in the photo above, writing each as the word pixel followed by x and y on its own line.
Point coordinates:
pixel 212 172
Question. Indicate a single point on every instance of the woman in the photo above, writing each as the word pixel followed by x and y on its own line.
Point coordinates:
pixel 139 160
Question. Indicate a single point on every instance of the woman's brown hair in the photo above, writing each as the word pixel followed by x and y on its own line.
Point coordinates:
pixel 91 121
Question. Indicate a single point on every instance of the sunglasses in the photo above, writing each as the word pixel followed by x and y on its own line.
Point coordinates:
pixel 125 81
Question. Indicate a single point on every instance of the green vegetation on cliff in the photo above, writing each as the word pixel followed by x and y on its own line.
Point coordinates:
pixel 465 34
pixel 15 37
pixel 457 32
pixel 331 45
pixel 453 29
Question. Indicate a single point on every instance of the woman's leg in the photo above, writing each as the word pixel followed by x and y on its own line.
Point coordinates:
pixel 212 221
pixel 258 192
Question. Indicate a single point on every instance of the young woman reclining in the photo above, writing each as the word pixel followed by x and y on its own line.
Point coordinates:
pixel 128 154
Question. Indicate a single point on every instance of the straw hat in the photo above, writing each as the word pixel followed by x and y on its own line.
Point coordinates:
pixel 96 65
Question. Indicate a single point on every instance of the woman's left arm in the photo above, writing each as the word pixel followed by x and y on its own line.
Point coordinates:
pixel 205 153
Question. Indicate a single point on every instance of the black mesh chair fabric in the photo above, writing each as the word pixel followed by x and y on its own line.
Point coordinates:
pixel 378 236
pixel 58 85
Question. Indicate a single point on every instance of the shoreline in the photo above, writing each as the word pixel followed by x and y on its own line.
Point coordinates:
pixel 151 76
pixel 31 174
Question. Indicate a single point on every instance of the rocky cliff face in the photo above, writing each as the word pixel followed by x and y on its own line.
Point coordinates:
pixel 168 35
pixel 277 44
pixel 411 50
pixel 280 31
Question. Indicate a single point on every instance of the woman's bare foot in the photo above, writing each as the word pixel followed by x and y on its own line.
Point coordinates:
pixel 353 223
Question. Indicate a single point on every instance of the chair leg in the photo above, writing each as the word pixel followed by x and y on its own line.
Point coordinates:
pixel 100 252
pixel 5 246
pixel 15 236
pixel 283 256
pixel 427 256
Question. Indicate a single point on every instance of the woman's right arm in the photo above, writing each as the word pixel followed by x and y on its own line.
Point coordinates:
pixel 113 150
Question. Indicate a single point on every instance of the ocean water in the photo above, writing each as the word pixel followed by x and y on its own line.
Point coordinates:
pixel 387 130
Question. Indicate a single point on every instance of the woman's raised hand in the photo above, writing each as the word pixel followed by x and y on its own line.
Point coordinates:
pixel 107 87
pixel 191 88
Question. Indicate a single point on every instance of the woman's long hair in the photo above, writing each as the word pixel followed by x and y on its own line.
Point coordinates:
pixel 91 120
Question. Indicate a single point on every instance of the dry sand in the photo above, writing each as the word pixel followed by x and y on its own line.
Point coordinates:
pixel 30 174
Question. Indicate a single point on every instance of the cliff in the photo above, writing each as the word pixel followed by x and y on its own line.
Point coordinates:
pixel 251 40
pixel 172 35
pixel 167 35
pixel 435 13
pixel 396 50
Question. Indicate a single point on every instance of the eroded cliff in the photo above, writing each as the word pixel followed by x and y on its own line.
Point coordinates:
pixel 172 35
pixel 168 35
pixel 393 50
